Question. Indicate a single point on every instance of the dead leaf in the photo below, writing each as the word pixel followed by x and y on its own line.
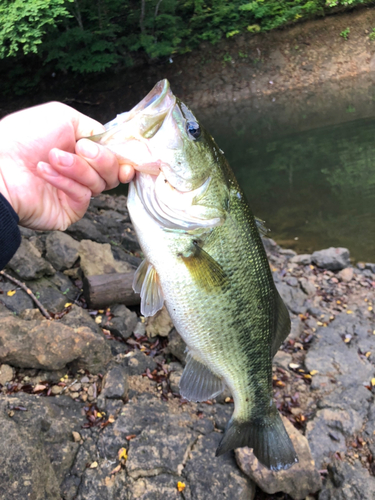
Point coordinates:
pixel 94 465
pixel 11 293
pixel 181 486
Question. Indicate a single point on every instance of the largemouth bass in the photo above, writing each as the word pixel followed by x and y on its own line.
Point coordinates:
pixel 205 260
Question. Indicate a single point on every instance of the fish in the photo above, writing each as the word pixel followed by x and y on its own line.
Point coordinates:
pixel 205 260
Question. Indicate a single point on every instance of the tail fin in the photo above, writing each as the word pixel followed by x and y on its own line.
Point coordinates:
pixel 268 438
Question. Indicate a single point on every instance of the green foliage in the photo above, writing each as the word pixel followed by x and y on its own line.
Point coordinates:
pixel 372 35
pixel 345 33
pixel 23 25
pixel 86 36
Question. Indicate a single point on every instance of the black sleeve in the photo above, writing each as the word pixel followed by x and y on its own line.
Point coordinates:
pixel 10 236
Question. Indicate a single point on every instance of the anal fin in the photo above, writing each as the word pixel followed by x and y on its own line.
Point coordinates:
pixel 198 383
pixel 146 282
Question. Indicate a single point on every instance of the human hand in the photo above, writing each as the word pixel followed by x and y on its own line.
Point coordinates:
pixel 45 174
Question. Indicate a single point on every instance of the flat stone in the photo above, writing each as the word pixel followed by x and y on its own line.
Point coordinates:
pixel 331 258
pixel 348 482
pixel 97 258
pixel 160 324
pixel 137 362
pixel 28 262
pixel 161 487
pixel 301 259
pixel 298 481
pixel 327 433
pixel 218 475
pixel 62 250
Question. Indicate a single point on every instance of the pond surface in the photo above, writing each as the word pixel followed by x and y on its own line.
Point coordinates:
pixel 314 187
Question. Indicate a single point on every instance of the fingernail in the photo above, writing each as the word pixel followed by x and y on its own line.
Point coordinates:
pixel 64 159
pixel 88 148
pixel 46 168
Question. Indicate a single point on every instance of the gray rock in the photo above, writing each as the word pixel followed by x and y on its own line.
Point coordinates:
pixel 129 239
pixel 77 317
pixel 162 487
pixel 302 259
pixel 293 297
pixel 50 345
pixel 25 471
pixel 370 266
pixel 177 346
pixel 298 481
pixel 97 258
pixel 123 322
pixel 282 359
pixel 17 302
pixel 28 262
pixel 269 244
pixel 287 252
pixel 296 329
pixel 348 482
pixel 308 286
pixel 331 258
pixel 137 362
pixel 115 383
pixel 62 250
pixel 86 229
pixel 41 450
pixel 54 292
pixel 327 432
pixel 98 484
pixel 218 475
pixel 159 449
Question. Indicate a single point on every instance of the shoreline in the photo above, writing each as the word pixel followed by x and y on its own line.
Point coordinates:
pixel 301 58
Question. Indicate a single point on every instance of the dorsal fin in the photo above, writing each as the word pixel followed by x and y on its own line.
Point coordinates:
pixel 282 324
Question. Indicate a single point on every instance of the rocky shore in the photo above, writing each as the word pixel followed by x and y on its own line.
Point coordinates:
pixel 89 402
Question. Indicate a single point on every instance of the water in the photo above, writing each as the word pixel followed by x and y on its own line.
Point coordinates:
pixel 306 161
pixel 312 180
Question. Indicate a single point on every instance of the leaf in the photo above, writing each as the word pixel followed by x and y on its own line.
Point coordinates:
pixel 68 304
pixel 122 453
pixel 181 486
pixel 94 465
pixel 11 293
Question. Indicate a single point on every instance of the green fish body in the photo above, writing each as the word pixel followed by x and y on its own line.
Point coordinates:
pixel 205 260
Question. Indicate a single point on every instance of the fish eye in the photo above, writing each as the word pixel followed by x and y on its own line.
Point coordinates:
pixel 193 129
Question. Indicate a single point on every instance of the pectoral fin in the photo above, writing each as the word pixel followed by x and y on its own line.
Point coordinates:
pixel 198 383
pixel 146 282
pixel 204 269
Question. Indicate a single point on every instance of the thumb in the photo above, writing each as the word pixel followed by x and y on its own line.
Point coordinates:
pixel 85 126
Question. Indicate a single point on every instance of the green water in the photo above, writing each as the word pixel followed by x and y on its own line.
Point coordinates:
pixel 314 188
